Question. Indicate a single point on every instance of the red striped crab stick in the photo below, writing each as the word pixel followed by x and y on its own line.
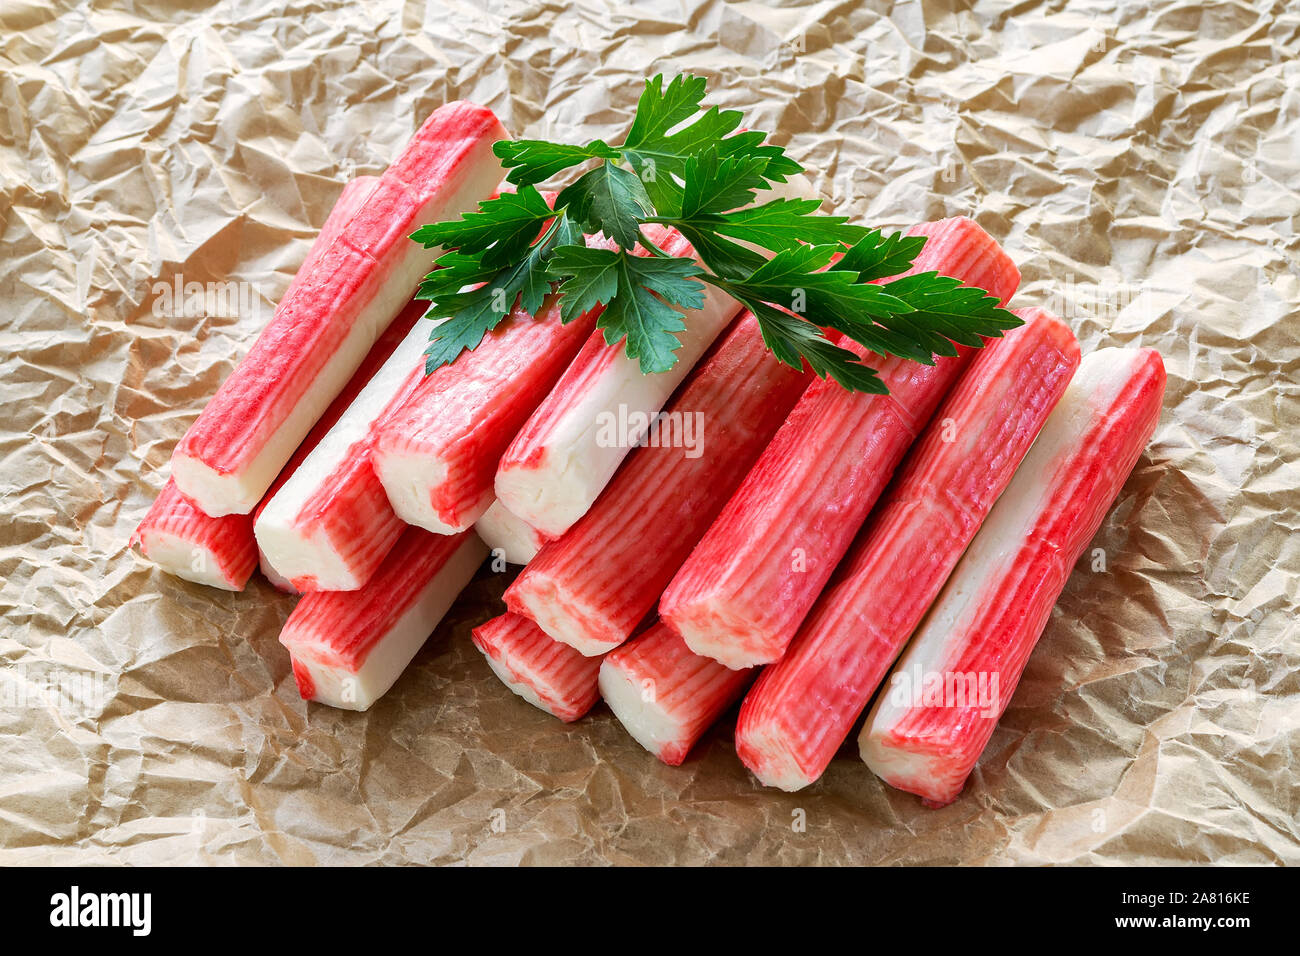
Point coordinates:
pixel 513 538
pixel 946 694
pixel 349 201
pixel 332 315
pixel 804 705
pixel 176 534
pixel 328 524
pixel 437 455
pixel 336 518
pixel 664 694
pixel 549 675
pixel 591 587
pixel 182 540
pixel 349 647
pixel 755 574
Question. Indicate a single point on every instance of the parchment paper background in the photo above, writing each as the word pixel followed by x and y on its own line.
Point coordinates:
pixel 1138 159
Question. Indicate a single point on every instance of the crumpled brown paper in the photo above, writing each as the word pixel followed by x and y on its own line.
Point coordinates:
pixel 1139 160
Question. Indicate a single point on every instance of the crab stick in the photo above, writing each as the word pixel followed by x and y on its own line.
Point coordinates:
pixel 181 539
pixel 592 586
pixel 332 314
pixel 558 465
pixel 664 694
pixel 334 525
pixel 804 705
pixel 755 574
pixel 307 530
pixel 952 684
pixel 191 555
pixel 549 675
pixel 348 647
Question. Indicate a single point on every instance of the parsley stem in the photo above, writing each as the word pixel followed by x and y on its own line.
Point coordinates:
pixel 651 247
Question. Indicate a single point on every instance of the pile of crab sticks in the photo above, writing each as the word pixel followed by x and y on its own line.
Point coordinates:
pixel 814 549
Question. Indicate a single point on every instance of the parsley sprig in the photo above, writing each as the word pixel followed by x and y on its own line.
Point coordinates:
pixel 692 169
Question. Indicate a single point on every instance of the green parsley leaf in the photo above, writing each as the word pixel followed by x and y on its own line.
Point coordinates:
pixel 502 229
pixel 877 256
pixel 694 169
pixel 833 298
pixel 589 278
pixel 787 223
pixel 533 161
pixel 608 199
pixel 658 145
pixel 472 313
pixel 717 184
pixel 726 258
pixel 638 293
pixel 659 110
pixel 944 308
pixel 795 341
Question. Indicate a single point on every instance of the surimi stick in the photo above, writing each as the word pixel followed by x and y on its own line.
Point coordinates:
pixel 804 705
pixel 323 328
pixel 666 695
pixel 556 467
pixel 952 684
pixel 348 647
pixel 752 578
pixel 330 525
pixel 512 537
pixel 549 675
pixel 178 537
pixel 591 587
pixel 437 454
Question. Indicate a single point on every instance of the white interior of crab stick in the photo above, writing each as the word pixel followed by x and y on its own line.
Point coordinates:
pixel 640 714
pixel 506 533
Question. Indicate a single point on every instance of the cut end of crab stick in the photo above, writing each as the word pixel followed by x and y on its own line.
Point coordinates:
pixel 274 577
pixel 952 684
pixel 333 312
pixel 594 585
pixel 510 537
pixel 564 616
pixel 328 527
pixel 804 705
pixel 665 695
pixel 437 455
pixel 349 647
pixel 771 749
pixel 558 464
pixel 722 630
pixel 181 539
pixel 549 675
pixel 741 595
